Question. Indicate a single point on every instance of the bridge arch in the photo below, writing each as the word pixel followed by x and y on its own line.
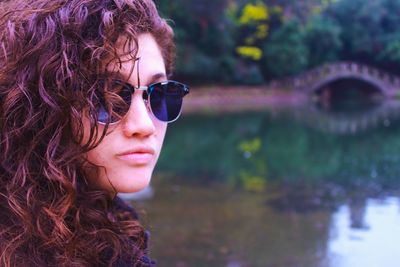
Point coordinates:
pixel 331 80
pixel 319 77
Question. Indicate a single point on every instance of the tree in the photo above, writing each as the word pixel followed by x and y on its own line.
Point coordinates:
pixel 285 53
pixel 203 37
pixel 323 39
pixel 370 31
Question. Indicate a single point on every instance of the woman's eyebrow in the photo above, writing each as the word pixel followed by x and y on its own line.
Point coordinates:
pixel 157 76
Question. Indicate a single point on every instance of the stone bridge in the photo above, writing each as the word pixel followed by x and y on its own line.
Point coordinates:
pixel 311 81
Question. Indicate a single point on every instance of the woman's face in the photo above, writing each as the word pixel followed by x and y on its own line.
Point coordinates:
pixel 131 147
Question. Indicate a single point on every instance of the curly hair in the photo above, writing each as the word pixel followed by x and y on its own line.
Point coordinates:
pixel 50 54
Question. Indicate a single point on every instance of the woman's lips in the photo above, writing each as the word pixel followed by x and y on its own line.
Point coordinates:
pixel 138 156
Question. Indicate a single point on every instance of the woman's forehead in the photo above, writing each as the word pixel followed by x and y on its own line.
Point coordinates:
pixel 146 55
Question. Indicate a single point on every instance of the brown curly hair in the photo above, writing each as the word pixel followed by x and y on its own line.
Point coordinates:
pixel 50 54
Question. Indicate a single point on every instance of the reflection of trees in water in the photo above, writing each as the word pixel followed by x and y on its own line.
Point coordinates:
pixel 303 169
pixel 285 151
pixel 303 198
pixel 358 207
pixel 221 226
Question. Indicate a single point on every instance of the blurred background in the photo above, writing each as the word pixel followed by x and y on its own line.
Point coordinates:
pixel 288 149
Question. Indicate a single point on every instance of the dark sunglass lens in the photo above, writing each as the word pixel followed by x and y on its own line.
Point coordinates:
pixel 166 100
pixel 114 103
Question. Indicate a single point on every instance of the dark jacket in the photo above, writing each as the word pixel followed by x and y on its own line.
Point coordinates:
pixel 145 260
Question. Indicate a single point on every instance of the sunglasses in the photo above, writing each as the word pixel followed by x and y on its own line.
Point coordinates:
pixel 163 99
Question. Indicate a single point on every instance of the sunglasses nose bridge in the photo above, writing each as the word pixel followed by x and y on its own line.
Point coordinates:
pixel 145 93
pixel 145 90
pixel 141 88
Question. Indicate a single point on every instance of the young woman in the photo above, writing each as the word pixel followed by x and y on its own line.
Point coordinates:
pixel 84 105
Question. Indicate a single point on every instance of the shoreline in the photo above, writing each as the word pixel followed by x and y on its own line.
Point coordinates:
pixel 240 98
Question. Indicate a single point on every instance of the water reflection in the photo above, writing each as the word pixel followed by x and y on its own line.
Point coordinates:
pixel 270 189
pixel 257 148
pixel 214 225
pixel 345 122
pixel 373 244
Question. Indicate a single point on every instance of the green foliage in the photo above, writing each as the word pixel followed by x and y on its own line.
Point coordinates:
pixel 191 61
pixel 248 73
pixel 360 26
pixel 322 37
pixel 203 39
pixel 238 41
pixel 391 51
pixel 370 31
pixel 286 52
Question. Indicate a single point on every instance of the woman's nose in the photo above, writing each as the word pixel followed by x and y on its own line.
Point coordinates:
pixel 137 121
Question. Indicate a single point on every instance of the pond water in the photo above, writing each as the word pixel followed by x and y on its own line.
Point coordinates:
pixel 297 187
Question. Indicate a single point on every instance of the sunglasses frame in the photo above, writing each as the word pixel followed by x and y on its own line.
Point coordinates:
pixel 148 90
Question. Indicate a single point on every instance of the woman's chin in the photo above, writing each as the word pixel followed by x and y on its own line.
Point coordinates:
pixel 132 184
pixel 132 189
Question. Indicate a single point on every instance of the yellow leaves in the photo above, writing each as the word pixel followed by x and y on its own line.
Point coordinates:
pixel 252 52
pixel 253 183
pixel 262 31
pixel 254 18
pixel 254 13
pixel 254 176
pixel 251 146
